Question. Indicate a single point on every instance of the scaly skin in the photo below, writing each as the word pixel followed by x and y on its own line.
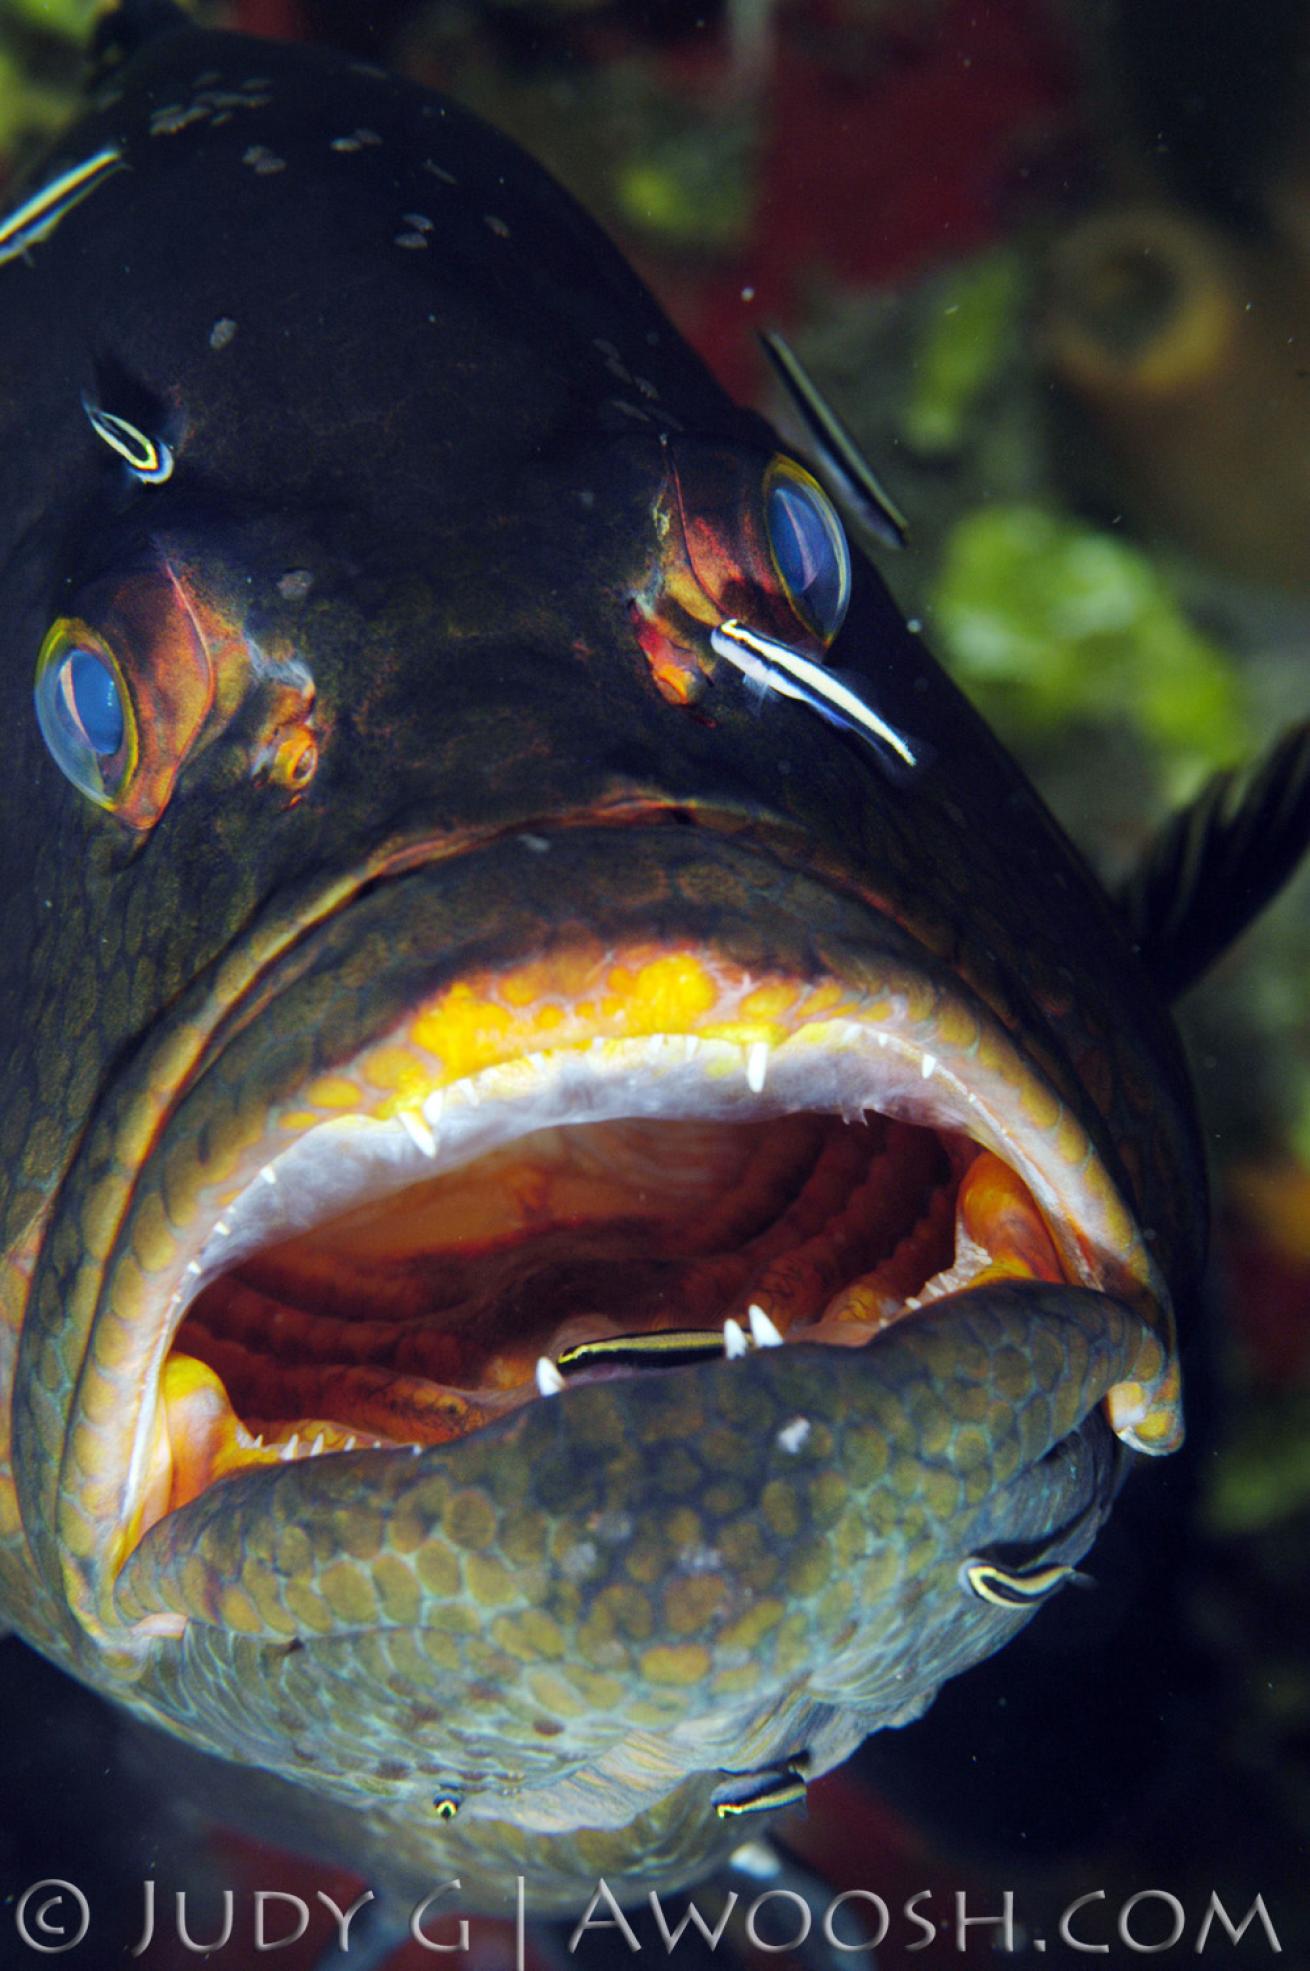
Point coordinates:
pixel 578 1617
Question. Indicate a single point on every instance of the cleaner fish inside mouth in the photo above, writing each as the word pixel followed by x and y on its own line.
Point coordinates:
pixel 551 1266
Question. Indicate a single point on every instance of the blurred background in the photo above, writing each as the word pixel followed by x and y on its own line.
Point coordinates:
pixel 1051 261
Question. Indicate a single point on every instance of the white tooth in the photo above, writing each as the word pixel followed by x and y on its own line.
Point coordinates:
pixel 928 1066
pixel 268 1174
pixel 222 1227
pixel 757 1065
pixel 690 1046
pixel 537 1062
pixel 433 1107
pixel 351 1443
pixel 549 1380
pixel 243 1437
pixel 259 1441
pixel 417 1132
pixel 290 1448
pixel 765 1333
pixel 734 1339
pixel 317 1446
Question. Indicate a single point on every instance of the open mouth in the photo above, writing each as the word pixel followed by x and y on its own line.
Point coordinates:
pixel 603 1166
pixel 577 1251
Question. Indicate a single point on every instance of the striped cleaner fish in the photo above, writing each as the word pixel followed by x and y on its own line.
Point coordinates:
pixel 591 1206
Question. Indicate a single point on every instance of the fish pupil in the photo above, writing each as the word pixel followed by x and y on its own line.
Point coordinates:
pixel 806 558
pixel 90 694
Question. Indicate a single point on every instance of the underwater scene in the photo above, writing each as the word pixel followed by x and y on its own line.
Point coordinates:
pixel 1023 288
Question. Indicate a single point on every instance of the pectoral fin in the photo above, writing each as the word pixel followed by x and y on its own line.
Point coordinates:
pixel 1217 863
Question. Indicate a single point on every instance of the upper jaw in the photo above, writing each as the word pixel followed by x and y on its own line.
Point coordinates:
pixel 454 1054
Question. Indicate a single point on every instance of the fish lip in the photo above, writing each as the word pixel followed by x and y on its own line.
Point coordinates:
pixel 412 860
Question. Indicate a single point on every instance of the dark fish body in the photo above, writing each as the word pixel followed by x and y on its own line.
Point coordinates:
pixel 435 835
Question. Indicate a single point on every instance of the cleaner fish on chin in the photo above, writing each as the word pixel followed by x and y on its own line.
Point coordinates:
pixel 594 1194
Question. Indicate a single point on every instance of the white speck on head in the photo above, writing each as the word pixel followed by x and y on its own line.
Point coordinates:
pixel 346 144
pixel 646 387
pixel 418 220
pixel 262 161
pixel 167 122
pixel 268 1174
pixel 438 171
pixel 222 332
pixel 748 294
pixel 295 585
pixel 413 241
pixel 793 1434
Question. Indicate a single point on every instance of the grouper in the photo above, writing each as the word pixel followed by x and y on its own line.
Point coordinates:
pixel 593 1194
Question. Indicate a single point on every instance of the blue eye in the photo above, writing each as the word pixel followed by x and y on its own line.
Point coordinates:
pixel 82 709
pixel 88 690
pixel 809 548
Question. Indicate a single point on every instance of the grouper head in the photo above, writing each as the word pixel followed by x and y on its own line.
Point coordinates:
pixel 578 1234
